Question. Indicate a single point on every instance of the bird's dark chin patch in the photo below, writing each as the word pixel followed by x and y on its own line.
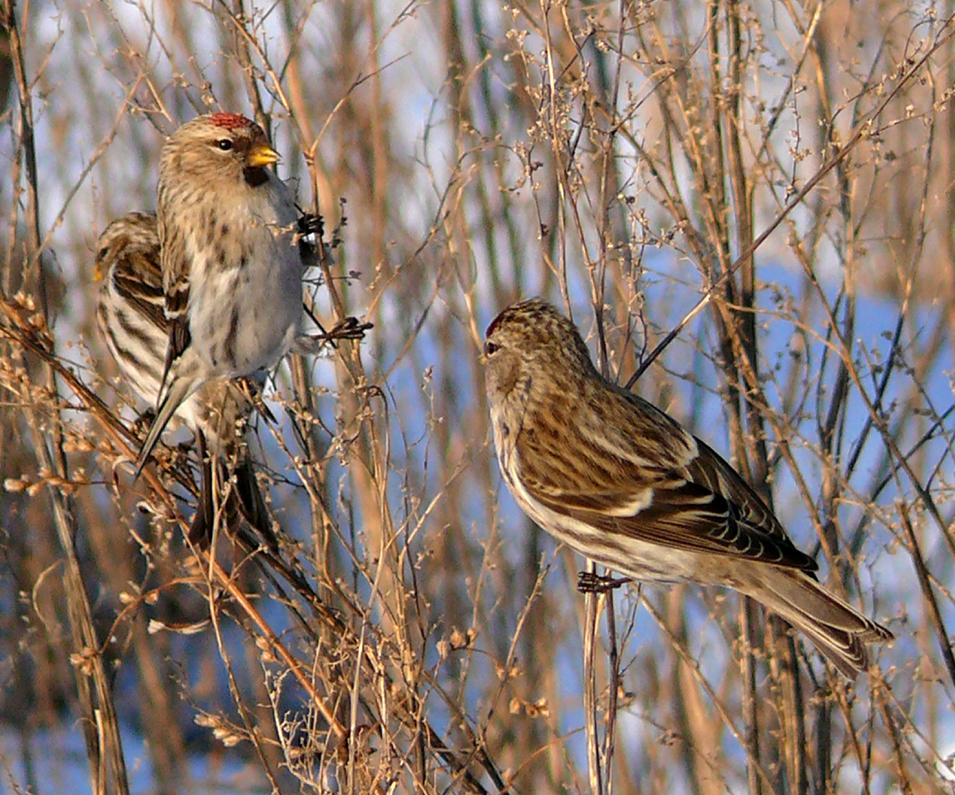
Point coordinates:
pixel 255 176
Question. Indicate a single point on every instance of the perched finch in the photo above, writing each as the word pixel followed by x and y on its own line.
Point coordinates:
pixel 624 484
pixel 133 322
pixel 231 264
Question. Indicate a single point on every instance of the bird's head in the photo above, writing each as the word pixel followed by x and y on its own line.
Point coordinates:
pixel 530 342
pixel 219 148
pixel 133 236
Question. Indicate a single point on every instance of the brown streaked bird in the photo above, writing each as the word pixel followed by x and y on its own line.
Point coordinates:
pixel 131 317
pixel 615 478
pixel 231 266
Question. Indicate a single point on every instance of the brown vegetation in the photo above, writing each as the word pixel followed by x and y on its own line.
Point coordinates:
pixel 771 180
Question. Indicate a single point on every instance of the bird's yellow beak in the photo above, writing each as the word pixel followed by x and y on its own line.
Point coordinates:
pixel 98 272
pixel 263 155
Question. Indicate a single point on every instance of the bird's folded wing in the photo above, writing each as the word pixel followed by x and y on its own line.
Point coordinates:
pixel 692 508
pixel 145 295
pixel 175 272
pixel 710 470
pixel 179 340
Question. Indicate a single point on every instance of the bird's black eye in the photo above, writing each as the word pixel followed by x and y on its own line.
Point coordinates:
pixel 224 144
pixel 491 348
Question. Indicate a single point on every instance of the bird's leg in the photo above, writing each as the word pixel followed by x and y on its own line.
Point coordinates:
pixel 591 582
pixel 253 392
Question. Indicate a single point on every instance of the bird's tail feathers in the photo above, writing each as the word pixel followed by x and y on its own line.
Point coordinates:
pixel 838 630
pixel 240 500
pixel 200 531
pixel 253 503
pixel 177 392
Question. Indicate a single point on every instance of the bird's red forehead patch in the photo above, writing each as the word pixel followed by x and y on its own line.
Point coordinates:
pixel 230 121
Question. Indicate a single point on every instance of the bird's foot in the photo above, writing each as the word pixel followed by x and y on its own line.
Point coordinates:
pixel 142 423
pixel 590 582
pixel 351 328
pixel 311 224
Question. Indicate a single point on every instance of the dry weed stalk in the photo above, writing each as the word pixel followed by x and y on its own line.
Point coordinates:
pixel 767 181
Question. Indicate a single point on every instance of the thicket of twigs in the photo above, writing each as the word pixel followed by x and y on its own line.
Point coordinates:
pixel 784 169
